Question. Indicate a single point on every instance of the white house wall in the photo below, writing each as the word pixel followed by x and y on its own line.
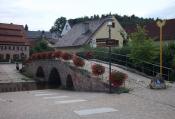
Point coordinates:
pixel 103 32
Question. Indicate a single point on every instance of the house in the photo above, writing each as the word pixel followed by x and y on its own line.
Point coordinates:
pixel 93 32
pixel 66 29
pixel 13 42
pixel 35 36
pixel 153 30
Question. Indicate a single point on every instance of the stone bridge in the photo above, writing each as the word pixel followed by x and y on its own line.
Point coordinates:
pixel 56 73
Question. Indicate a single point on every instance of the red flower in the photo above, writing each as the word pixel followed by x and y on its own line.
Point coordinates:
pixel 57 54
pixel 49 55
pixel 117 78
pixel 33 57
pixel 66 56
pixel 88 55
pixel 98 69
pixel 38 56
pixel 78 61
pixel 43 55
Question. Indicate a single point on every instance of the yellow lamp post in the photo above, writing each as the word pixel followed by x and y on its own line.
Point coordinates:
pixel 160 24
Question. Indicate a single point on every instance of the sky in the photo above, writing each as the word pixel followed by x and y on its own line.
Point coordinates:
pixel 41 14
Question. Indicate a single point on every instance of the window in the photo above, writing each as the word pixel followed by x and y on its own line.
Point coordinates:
pixel 14 57
pixel 21 48
pixel 9 47
pixel 5 47
pixel 1 56
pixel 17 47
pixel 13 47
pixel 17 56
pixel 7 56
pixel 25 48
pixel 1 47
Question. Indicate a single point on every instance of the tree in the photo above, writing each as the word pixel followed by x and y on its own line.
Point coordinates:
pixel 173 63
pixel 142 47
pixel 168 54
pixel 41 46
pixel 26 27
pixel 58 25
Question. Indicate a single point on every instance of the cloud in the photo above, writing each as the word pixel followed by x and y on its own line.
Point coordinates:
pixel 166 13
pixel 41 14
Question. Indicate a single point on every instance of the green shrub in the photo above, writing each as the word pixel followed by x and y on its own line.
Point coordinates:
pixel 142 47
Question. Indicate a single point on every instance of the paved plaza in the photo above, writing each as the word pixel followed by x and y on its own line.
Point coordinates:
pixel 140 103
pixel 59 104
pixel 9 74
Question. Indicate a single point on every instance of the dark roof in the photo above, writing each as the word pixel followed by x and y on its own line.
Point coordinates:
pixel 12 34
pixel 38 34
pixel 77 37
pixel 153 30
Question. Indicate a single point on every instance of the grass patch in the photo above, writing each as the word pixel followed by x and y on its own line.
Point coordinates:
pixel 121 90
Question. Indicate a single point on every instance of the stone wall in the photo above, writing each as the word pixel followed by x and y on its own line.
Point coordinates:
pixel 18 86
pixel 82 80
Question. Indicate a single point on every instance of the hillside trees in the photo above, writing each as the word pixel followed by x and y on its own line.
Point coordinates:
pixel 58 25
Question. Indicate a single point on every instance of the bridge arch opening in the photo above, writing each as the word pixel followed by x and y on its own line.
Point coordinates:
pixel 40 72
pixel 54 79
pixel 69 83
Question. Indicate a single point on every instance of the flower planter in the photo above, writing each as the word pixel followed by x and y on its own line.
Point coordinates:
pixel 88 55
pixel 117 78
pixel 49 55
pixel 39 56
pixel 43 55
pixel 98 69
pixel 57 54
pixel 78 61
pixel 66 56
pixel 33 57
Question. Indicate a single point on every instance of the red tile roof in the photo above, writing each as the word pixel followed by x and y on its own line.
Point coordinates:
pixel 11 33
pixel 153 30
pixel 11 26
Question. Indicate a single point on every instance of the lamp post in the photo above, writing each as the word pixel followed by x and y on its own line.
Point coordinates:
pixel 109 24
pixel 160 24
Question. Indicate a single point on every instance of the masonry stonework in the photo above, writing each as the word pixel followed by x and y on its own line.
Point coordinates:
pixel 82 81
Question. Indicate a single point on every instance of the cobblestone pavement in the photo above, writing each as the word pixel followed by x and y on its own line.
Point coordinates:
pixel 8 74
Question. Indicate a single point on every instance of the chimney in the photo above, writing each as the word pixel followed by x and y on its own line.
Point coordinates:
pixel 85 27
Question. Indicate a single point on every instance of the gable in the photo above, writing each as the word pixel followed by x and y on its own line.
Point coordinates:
pixel 81 34
pixel 103 32
pixel 66 28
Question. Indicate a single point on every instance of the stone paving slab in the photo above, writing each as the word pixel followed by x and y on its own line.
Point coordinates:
pixel 129 106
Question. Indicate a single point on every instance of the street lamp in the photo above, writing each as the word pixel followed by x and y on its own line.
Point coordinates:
pixel 109 24
pixel 160 24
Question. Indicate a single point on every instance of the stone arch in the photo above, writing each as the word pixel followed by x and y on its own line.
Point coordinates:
pixel 40 72
pixel 54 79
pixel 69 82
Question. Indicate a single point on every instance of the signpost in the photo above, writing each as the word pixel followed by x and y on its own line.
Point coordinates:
pixel 105 42
pixel 111 43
